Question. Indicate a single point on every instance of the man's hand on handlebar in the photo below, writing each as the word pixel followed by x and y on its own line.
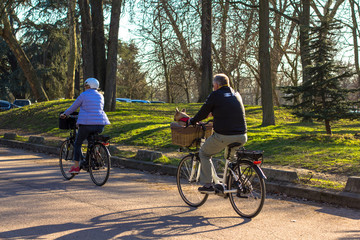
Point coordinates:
pixel 189 122
pixel 63 116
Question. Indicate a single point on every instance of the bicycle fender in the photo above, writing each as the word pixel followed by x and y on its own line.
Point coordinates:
pixel 260 171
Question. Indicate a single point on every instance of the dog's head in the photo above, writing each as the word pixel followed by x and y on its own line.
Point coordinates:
pixel 180 115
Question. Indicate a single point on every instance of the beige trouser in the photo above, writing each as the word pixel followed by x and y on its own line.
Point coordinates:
pixel 215 144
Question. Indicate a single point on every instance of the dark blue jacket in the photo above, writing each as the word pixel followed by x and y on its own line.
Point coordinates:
pixel 227 109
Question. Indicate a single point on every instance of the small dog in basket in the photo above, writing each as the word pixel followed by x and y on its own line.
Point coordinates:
pixel 180 118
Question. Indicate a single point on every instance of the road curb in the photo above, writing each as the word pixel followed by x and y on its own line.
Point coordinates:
pixel 346 199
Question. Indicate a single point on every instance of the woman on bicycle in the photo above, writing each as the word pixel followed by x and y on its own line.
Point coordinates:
pixel 91 119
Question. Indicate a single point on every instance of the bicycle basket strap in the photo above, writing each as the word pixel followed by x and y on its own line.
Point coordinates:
pixel 248 154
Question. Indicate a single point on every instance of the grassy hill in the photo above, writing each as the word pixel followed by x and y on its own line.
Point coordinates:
pixel 289 143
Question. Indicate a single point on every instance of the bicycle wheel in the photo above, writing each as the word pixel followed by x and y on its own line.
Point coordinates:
pixel 187 179
pixel 249 198
pixel 99 164
pixel 66 159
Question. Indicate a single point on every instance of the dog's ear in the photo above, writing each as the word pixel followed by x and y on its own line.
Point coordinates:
pixel 184 110
pixel 177 110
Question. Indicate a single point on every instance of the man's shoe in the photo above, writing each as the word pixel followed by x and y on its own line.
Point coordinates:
pixel 74 170
pixel 206 189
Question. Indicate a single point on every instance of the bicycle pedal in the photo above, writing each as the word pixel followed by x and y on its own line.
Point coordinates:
pixel 240 196
pixel 219 188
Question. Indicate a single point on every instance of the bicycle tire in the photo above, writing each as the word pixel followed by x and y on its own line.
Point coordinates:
pixel 66 159
pixel 250 197
pixel 99 164
pixel 188 189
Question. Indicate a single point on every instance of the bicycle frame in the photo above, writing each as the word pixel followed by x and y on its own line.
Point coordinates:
pixel 218 180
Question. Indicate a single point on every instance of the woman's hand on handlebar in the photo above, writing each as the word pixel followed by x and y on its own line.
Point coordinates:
pixel 63 116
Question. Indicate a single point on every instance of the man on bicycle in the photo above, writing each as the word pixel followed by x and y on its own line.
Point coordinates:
pixel 227 108
pixel 91 119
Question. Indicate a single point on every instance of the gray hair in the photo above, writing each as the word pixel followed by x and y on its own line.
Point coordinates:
pixel 221 79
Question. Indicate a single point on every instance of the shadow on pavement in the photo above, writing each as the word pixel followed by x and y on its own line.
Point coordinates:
pixel 140 223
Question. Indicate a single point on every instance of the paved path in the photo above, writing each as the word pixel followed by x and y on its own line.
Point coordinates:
pixel 36 203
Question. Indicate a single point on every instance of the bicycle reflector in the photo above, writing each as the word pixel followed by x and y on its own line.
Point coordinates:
pixel 105 143
pixel 257 162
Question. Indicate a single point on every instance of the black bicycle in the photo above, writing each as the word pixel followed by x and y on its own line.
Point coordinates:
pixel 241 179
pixel 96 161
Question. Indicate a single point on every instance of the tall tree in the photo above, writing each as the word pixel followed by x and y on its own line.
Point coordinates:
pixel 110 87
pixel 206 62
pixel 73 50
pixel 328 101
pixel 265 65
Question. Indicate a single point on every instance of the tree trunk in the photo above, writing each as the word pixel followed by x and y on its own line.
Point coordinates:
pixel 110 87
pixel 86 39
pixel 163 59
pixel 23 60
pixel 304 41
pixel 223 32
pixel 356 45
pixel 265 65
pixel 328 127
pixel 206 62
pixel 73 51
pixel 98 41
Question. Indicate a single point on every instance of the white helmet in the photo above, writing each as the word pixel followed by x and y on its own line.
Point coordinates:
pixel 92 83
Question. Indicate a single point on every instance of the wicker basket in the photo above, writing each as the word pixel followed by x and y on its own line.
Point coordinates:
pixel 185 137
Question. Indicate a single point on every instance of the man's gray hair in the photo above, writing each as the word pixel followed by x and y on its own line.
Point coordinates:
pixel 222 79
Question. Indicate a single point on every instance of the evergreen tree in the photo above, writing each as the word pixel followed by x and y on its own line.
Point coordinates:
pixel 328 100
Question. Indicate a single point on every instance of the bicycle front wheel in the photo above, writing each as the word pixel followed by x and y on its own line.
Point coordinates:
pixel 187 179
pixel 99 164
pixel 249 197
pixel 66 159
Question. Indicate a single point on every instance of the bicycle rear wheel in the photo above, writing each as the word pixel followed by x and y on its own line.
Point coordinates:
pixel 66 159
pixel 249 198
pixel 99 164
pixel 187 179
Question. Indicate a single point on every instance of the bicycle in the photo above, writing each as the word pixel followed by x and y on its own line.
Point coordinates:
pixel 96 161
pixel 242 180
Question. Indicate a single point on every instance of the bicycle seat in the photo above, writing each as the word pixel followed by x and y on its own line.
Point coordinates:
pixel 231 146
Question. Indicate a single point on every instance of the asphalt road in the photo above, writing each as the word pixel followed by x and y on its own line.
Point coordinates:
pixel 37 203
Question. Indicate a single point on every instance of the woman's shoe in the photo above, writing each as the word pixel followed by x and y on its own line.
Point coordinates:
pixel 74 170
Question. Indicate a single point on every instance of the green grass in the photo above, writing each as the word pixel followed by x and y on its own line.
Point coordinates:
pixel 322 183
pixel 288 143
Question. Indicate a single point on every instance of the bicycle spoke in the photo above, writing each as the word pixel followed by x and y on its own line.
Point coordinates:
pixel 65 160
pixel 99 164
pixel 186 178
pixel 249 198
